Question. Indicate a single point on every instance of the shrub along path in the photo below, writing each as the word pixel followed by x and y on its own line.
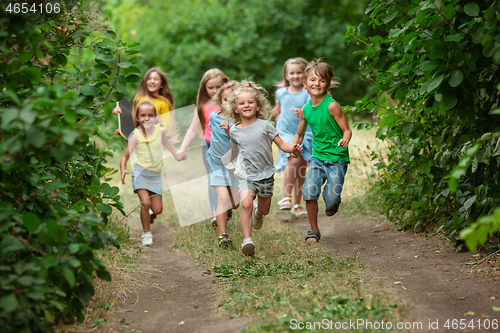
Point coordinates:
pixel 426 274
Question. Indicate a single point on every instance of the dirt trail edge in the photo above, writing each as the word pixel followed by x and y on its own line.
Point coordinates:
pixel 425 274
pixel 174 296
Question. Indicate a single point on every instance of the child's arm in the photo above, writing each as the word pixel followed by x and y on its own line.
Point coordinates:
pixel 225 126
pixel 337 113
pixel 132 143
pixel 301 130
pixel 192 131
pixel 169 145
pixel 294 149
pixel 275 112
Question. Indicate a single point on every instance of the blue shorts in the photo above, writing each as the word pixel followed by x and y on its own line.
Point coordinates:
pixel 220 176
pixel 319 172
pixel 144 179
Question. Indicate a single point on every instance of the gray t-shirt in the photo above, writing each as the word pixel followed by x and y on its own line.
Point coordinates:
pixel 255 153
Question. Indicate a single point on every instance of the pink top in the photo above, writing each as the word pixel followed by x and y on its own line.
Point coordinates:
pixel 207 110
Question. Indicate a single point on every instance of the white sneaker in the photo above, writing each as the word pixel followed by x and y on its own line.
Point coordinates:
pixel 248 248
pixel 213 222
pixel 147 238
pixel 256 221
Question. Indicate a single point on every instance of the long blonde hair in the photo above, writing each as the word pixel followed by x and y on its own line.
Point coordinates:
pixel 164 94
pixel 299 61
pixel 203 97
pixel 258 93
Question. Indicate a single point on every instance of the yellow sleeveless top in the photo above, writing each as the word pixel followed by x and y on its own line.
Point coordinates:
pixel 149 150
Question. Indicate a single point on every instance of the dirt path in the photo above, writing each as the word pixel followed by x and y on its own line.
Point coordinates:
pixel 431 278
pixel 174 295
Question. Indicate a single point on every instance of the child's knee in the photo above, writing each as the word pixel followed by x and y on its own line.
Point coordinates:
pixel 247 205
pixel 157 210
pixel 146 204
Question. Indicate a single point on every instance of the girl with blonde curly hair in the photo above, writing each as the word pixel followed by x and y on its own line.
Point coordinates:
pixel 252 137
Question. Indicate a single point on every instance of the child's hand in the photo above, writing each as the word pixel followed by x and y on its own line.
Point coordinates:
pixel 296 150
pixel 124 172
pixel 343 142
pixel 225 126
pixel 181 155
pixel 117 110
pixel 295 111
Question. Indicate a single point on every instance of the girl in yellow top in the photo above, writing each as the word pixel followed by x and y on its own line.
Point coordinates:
pixel 148 141
pixel 155 88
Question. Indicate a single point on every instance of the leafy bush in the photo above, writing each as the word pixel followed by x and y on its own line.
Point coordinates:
pixel 438 61
pixel 54 207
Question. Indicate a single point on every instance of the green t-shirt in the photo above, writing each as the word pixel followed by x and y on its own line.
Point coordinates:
pixel 326 132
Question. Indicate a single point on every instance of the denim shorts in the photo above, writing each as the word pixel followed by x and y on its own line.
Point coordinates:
pixel 263 188
pixel 143 179
pixel 318 173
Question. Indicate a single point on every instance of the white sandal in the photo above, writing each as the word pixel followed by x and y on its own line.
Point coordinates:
pixel 299 214
pixel 285 204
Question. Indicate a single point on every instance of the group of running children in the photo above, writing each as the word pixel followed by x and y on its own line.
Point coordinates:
pixel 232 116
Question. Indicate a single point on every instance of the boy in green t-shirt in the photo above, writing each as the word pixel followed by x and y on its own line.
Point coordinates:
pixel 331 136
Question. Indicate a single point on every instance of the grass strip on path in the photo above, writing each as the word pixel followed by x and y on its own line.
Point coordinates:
pixel 289 284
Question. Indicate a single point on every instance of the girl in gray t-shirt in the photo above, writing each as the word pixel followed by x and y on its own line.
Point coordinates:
pixel 252 137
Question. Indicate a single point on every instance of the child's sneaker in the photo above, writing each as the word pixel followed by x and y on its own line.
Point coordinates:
pixel 152 216
pixel 248 248
pixel 213 222
pixel 147 238
pixel 229 218
pixel 256 221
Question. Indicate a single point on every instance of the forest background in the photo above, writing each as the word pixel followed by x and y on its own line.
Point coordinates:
pixel 427 69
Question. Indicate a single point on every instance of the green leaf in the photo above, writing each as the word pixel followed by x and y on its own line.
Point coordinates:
pixel 35 137
pixel 456 77
pixel 471 9
pixel 31 221
pixel 104 208
pixel 395 32
pixel 103 274
pixel 68 275
pixel 495 308
pixel 496 56
pixel 49 260
pixel 435 82
pixel 125 64
pixel 449 101
pixel 56 231
pixel 454 38
pixel 89 90
pixel 9 303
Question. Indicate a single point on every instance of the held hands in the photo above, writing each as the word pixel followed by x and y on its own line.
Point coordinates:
pixel 296 150
pixel 343 142
pixel 181 155
pixel 225 126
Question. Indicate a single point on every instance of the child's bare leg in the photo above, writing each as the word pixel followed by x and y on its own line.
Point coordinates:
pixel 246 212
pixel 301 168
pixel 289 175
pixel 145 201
pixel 156 203
pixel 312 213
pixel 223 204
pixel 263 205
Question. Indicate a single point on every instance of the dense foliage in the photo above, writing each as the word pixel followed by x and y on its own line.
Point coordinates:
pixel 438 60
pixel 54 207
pixel 245 39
